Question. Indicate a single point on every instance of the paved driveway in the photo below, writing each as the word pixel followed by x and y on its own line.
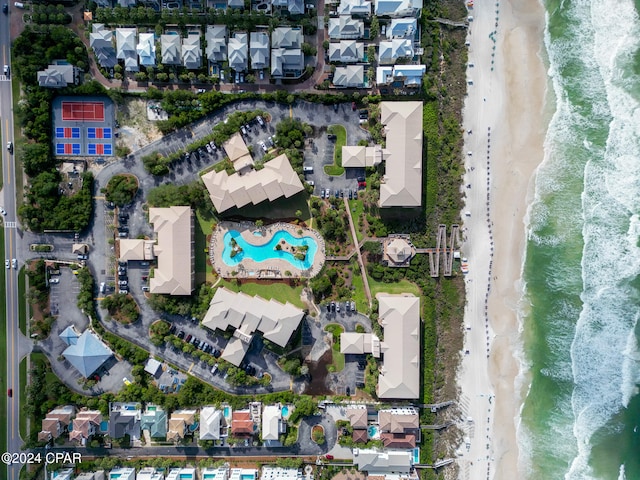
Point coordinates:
pixel 307 445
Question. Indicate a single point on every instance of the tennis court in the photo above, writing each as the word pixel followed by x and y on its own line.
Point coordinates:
pixel 83 111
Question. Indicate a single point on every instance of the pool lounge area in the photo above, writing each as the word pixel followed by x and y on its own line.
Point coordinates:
pixel 279 250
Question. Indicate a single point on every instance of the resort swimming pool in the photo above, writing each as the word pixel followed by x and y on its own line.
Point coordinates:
pixel 261 253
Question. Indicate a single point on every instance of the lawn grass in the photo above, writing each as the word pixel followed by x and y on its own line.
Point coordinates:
pixel 278 291
pixel 357 210
pixel 22 304
pixel 3 351
pixel 205 222
pixel 359 296
pixel 403 286
pixel 23 396
pixel 341 140
pixel 337 357
pixel 18 142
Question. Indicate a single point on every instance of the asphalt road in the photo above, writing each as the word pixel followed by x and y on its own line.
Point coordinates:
pixel 14 441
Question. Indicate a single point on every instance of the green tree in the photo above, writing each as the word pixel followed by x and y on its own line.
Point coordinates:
pixel 121 189
pixel 374 29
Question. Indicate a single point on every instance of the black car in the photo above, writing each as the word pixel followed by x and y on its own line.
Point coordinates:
pixel 181 334
pixel 361 366
pixel 360 384
pixel 333 306
pixel 348 391
pixel 5 8
pixel 196 343
pixel 328 308
pixel 172 330
pixel 361 179
pixel 217 353
pixel 335 107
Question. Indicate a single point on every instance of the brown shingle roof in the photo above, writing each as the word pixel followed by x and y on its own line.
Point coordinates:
pixel 360 436
pixel 241 424
pixel 398 440
pixel 357 417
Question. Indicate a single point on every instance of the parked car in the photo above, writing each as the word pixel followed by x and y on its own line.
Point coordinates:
pixel 335 107
pixel 3 211
pixel 260 120
pixel 353 106
pixel 263 146
pixel 209 149
pixel 307 169
pixel 213 145
pixel 181 334
pixel 188 339
pixel 14 263
pixel 54 280
pixel 243 130
pixel 5 8
pixel 172 329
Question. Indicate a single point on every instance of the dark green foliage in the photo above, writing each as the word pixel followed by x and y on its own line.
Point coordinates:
pixel 121 189
pixel 122 307
pixel 46 209
pixel 36 158
pixel 85 295
pixel 49 14
pixel 156 164
pixel 35 117
pixel 290 133
pixel 305 406
pixel 194 194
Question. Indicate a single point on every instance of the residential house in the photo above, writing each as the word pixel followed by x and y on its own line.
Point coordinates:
pixel 182 474
pixel 357 415
pixel 211 421
pixel 179 423
pixel 345 28
pixel 259 50
pixel 399 316
pixel 124 419
pixel 272 425
pixel 122 473
pixel 154 420
pixel 216 38
pixel 358 156
pixel 390 51
pixel 280 473
pixel 351 76
pixel 346 51
pixel 242 424
pixel 397 464
pixel 64 474
pixel 150 473
pixel 287 59
pixel 146 49
pixel 56 423
pixel 221 473
pixel 402 182
pixel 153 367
pixel 192 52
pixel 292 7
pixel 85 425
pixel 238 47
pixel 175 273
pixel 398 8
pixel 57 76
pixel 399 427
pixel 399 76
pixel 277 179
pixel 243 474
pixel 171 49
pixel 99 475
pixel 126 48
pixel 360 436
pixel 101 41
pixel 88 354
pixel 247 314
pixel 402 28
pixel 354 7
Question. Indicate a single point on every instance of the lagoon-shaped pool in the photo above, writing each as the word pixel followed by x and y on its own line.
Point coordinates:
pixel 267 251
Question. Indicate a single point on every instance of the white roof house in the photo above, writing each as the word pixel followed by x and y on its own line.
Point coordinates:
pixel 272 425
pixel 277 179
pixel 171 49
pixel 238 52
pixel 122 473
pixel 210 422
pixel 56 76
pixel 375 463
pixel 398 8
pixel 391 50
pixel 402 28
pixel 150 473
pixel 259 50
pixel 294 7
pixel 174 231
pixel 400 373
pixel 407 75
pixel 351 76
pixel 345 28
pixel 192 52
pixel 280 473
pixel 402 182
pixel 101 40
pixel 220 473
pixel 216 38
pixel 184 473
pixel 356 156
pixel 359 343
pixel 354 7
pixel 126 48
pixel 147 49
pixel 135 249
pixel 248 314
pixel 346 51
pixel 286 37
pixel 286 52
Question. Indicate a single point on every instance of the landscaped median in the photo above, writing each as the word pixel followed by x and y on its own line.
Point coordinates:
pixel 340 141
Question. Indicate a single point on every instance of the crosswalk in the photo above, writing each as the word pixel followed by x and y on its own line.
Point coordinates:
pixel 10 224
pixel 4 78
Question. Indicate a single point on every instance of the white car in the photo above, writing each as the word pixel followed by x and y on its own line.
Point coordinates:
pixel 208 147
pixel 264 147
pixel 6 263
pixel 310 182
pixel 14 264
pixel 54 280
pixel 3 211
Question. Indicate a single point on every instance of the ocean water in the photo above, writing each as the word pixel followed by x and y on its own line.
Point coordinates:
pixel 581 304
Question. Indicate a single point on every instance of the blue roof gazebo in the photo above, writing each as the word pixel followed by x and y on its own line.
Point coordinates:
pixel 88 354
pixel 69 335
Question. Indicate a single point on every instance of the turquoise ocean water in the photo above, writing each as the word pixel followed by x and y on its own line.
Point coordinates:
pixel 581 416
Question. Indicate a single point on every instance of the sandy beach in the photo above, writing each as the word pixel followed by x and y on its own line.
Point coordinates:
pixel 504 121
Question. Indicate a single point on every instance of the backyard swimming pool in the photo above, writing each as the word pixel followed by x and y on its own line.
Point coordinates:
pixel 267 251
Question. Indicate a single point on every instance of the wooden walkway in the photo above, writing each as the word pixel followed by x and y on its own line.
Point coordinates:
pixel 451 23
pixel 447 251
pixel 439 464
pixel 434 407
pixel 440 426
pixel 363 271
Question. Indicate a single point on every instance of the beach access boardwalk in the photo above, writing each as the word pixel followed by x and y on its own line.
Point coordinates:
pixel 442 248
pixel 451 23
pixel 363 271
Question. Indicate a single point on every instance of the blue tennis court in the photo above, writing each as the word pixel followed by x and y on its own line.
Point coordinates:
pixel 67 132
pixel 99 149
pixel 98 132
pixel 67 149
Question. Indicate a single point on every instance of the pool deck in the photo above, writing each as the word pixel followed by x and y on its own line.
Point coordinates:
pixel 269 269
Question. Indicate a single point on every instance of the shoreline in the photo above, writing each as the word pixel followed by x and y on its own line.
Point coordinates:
pixel 505 112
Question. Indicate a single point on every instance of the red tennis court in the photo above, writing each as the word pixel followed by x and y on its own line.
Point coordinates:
pixel 83 111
